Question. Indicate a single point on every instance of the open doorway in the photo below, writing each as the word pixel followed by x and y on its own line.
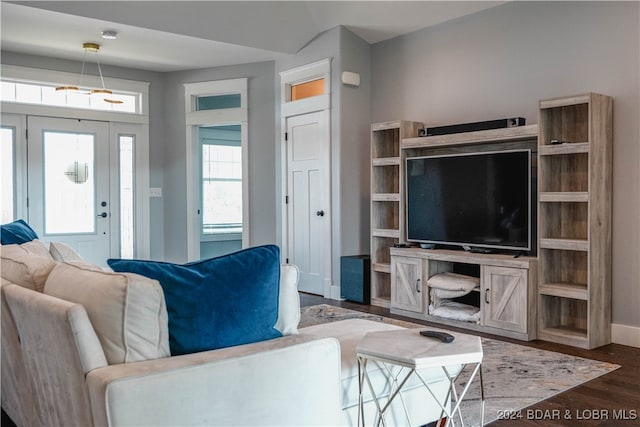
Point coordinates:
pixel 217 165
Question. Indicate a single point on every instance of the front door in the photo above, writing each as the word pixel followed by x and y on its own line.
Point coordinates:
pixel 308 214
pixel 68 184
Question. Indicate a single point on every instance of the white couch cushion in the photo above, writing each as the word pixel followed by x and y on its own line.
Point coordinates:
pixel 127 310
pixel 289 301
pixel 36 247
pixel 63 252
pixel 24 266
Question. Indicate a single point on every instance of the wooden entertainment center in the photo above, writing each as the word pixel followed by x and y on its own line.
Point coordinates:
pixel 563 294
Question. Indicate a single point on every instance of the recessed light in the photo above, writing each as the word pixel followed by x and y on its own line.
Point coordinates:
pixel 109 35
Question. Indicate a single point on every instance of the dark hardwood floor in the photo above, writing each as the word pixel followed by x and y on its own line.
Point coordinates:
pixel 601 402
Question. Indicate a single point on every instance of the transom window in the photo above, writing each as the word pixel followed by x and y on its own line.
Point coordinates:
pixel 307 89
pixel 43 94
pixel 218 102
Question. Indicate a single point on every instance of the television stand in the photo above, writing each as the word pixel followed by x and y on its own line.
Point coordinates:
pixel 508 286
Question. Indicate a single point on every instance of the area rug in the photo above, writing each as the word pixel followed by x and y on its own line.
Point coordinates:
pixel 515 376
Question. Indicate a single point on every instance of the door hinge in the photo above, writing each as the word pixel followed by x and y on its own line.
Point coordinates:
pixel 26 133
pixel 286 136
pixel 286 200
pixel 27 202
pixel 286 261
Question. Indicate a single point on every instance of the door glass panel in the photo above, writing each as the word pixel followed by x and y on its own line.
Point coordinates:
pixel 7 177
pixel 69 184
pixel 307 89
pixel 126 143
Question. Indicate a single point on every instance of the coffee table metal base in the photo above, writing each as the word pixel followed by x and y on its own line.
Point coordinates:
pixel 374 347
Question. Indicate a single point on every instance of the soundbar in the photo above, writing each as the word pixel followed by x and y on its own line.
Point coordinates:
pixel 471 127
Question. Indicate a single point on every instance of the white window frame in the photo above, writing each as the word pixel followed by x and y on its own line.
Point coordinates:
pixel 142 213
pixel 38 76
pixel 19 123
pixel 306 73
pixel 220 235
pixel 120 122
pixel 225 116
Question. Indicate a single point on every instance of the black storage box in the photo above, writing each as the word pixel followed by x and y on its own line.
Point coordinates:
pixel 355 278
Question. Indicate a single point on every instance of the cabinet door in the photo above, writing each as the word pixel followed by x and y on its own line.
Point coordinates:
pixel 407 284
pixel 504 298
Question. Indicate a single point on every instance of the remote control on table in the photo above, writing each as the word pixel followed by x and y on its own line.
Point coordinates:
pixel 442 336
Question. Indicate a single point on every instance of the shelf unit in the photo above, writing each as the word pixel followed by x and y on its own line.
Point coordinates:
pixel 574 220
pixel 387 204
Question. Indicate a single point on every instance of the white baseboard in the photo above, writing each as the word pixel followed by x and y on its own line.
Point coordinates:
pixel 625 335
pixel 334 293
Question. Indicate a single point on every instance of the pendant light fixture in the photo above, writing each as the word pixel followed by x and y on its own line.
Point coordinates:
pixel 91 48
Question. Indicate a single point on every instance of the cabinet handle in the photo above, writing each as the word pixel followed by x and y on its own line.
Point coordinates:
pixel 418 286
pixel 486 295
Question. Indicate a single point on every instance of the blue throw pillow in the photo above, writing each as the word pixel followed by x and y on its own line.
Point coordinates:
pixel 16 232
pixel 218 302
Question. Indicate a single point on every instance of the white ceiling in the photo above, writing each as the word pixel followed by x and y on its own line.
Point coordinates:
pixel 179 35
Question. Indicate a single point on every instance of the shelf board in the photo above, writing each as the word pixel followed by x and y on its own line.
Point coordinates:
pixel 568 148
pixel 565 244
pixel 386 161
pixel 565 101
pixel 381 267
pixel 564 196
pixel 381 302
pixel 565 335
pixel 386 232
pixel 451 255
pixel 394 124
pixel 565 290
pixel 385 197
pixel 518 133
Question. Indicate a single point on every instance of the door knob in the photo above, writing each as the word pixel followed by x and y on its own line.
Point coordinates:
pixel 320 213
pixel 103 215
pixel 103 204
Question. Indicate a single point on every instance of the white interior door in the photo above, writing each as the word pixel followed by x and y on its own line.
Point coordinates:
pixel 68 184
pixel 308 210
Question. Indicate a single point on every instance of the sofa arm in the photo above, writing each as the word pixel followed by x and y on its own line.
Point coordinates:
pixel 293 380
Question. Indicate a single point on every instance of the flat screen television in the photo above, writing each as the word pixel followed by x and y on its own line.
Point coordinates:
pixel 479 201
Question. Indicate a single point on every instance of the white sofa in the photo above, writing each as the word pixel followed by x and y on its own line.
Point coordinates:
pixel 55 368
pixel 82 353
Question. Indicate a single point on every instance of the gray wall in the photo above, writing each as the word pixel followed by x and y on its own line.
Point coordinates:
pixel 262 156
pixel 156 127
pixel 354 175
pixel 499 62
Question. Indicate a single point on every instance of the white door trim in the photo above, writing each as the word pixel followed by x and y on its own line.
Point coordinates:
pixel 288 108
pixel 225 116
pixel 142 213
